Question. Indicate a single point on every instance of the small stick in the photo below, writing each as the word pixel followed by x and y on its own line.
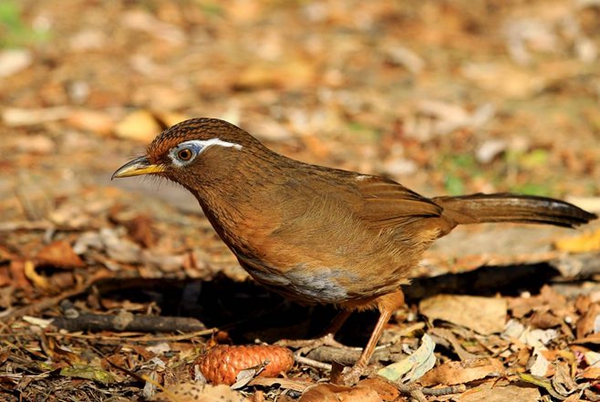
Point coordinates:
pixel 312 363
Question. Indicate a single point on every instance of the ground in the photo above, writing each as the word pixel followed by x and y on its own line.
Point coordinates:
pixel 444 97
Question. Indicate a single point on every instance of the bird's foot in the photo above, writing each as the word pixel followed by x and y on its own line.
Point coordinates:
pixel 349 376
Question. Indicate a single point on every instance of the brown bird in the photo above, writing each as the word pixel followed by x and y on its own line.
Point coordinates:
pixel 316 234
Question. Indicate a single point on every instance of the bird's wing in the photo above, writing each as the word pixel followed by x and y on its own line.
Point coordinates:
pixel 390 204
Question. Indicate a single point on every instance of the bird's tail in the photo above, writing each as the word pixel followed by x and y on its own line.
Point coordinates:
pixel 506 207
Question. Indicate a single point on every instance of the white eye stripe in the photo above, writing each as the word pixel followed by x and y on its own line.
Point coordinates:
pixel 197 147
pixel 201 144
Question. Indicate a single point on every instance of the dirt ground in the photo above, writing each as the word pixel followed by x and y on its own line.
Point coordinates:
pixel 112 290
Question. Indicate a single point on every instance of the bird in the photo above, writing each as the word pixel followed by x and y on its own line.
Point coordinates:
pixel 320 235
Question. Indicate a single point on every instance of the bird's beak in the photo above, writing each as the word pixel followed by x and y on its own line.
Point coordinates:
pixel 137 167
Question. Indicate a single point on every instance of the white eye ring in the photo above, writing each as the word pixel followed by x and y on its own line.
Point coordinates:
pixel 184 153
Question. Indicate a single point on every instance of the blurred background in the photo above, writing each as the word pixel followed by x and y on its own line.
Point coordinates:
pixel 446 97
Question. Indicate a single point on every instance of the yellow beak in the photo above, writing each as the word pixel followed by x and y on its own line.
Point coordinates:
pixel 137 167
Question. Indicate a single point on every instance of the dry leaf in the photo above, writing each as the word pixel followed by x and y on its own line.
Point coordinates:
pixel 288 74
pixel 547 300
pixel 338 393
pixel 586 242
pixel 590 322
pixel 544 320
pixel 591 358
pixel 562 382
pixel 38 280
pixel 386 391
pixel 18 277
pixel 538 364
pixel 59 254
pixel 591 373
pixel 489 393
pixel 140 230
pixel 536 338
pixel 542 382
pixel 573 398
pixel 140 125
pixel 453 373
pixel 91 120
pixel 593 339
pixel 191 392
pixel 414 366
pixel 144 125
pixel 89 373
pixel 5 278
pixel 484 315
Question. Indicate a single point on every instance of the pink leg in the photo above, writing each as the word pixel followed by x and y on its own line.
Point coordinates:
pixel 386 305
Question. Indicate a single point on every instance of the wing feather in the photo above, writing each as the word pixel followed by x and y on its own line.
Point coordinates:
pixel 388 204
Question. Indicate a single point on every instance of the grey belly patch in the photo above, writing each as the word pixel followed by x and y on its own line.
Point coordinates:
pixel 319 284
pixel 312 285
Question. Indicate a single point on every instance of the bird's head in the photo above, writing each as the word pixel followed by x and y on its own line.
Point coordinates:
pixel 194 153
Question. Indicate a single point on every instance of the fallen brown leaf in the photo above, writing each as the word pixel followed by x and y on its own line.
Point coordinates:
pixel 91 120
pixel 489 393
pixel 591 373
pixel 593 338
pixel 586 242
pixel 59 254
pixel 385 390
pixel 587 324
pixel 5 278
pixel 484 315
pixel 140 230
pixel 453 373
pixel 287 74
pixel 139 125
pixel 338 393
pixel 191 392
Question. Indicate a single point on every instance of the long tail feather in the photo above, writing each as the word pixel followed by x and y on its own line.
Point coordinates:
pixel 506 207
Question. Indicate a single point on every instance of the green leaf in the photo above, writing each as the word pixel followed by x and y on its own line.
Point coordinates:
pixel 88 373
pixel 414 366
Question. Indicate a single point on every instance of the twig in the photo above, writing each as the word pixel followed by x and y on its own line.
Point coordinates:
pixel 171 338
pixel 455 389
pixel 126 321
pixel 418 393
pixel 350 355
pixel 312 363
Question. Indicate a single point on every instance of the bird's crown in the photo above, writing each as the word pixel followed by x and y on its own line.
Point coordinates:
pixel 184 140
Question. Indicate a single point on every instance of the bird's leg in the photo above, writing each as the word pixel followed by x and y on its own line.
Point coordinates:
pixel 336 324
pixel 386 305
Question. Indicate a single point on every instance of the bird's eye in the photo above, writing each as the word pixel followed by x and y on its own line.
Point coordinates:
pixel 185 154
